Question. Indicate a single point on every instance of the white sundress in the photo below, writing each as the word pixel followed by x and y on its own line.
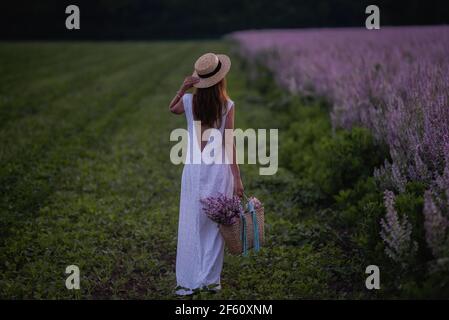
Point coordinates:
pixel 200 251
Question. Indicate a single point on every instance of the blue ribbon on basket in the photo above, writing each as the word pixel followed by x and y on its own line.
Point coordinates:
pixel 252 210
pixel 243 237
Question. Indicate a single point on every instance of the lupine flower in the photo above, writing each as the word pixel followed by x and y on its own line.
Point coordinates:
pixel 221 209
pixel 436 227
pixel 396 232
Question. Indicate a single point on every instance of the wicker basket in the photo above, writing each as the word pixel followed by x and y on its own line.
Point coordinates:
pixel 232 233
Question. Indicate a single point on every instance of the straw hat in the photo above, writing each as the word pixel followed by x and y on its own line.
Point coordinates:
pixel 211 68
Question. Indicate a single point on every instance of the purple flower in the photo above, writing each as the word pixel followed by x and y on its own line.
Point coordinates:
pixel 396 233
pixel 222 209
pixel 256 202
pixel 436 226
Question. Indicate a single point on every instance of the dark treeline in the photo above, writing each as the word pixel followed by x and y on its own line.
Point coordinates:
pixel 174 19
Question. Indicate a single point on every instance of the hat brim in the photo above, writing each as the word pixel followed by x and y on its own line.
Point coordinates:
pixel 216 78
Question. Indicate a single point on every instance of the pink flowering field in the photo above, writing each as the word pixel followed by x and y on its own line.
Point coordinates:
pixel 393 82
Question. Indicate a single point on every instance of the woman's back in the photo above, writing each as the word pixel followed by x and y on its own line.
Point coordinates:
pixel 199 132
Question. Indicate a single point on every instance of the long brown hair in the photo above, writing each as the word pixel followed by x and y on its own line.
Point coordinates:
pixel 209 104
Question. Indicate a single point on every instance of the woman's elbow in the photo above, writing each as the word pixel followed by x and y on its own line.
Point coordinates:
pixel 175 111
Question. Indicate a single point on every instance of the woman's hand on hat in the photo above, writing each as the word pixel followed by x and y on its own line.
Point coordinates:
pixel 189 82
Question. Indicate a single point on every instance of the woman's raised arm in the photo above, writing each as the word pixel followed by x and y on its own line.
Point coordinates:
pixel 176 105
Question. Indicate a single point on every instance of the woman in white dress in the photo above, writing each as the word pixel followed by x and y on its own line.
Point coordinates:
pixel 199 258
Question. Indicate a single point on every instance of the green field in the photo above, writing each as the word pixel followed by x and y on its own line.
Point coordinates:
pixel 86 179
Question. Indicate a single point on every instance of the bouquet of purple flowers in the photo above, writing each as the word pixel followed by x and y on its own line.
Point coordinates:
pixel 222 209
pixel 225 210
